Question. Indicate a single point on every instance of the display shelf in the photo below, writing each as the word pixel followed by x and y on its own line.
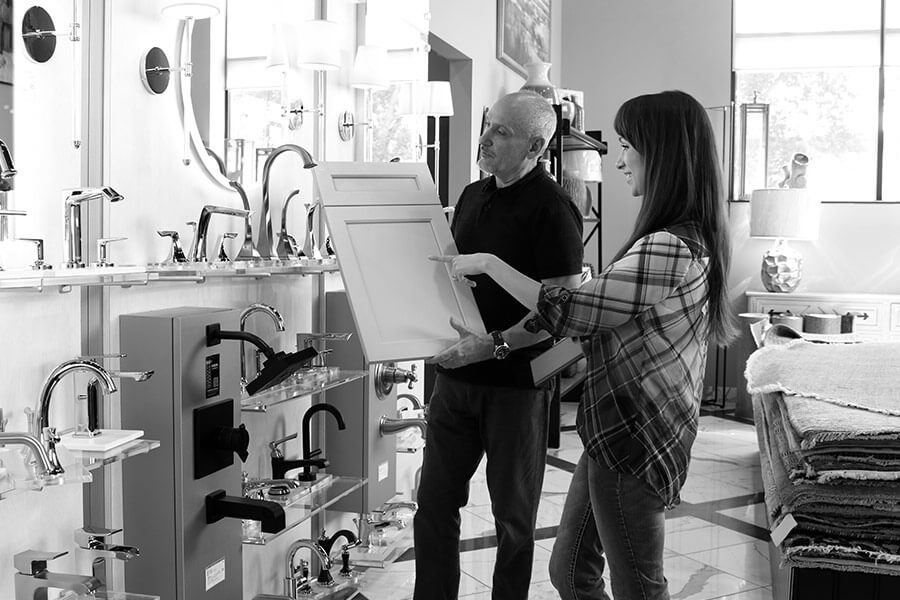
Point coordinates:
pixel 303 383
pixel 95 460
pixel 74 473
pixel 307 501
pixel 200 272
pixel 396 541
pixel 64 279
pixel 105 595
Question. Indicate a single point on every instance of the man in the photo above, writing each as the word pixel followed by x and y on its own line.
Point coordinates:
pixel 484 400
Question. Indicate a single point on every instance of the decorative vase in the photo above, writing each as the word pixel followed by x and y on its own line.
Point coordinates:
pixel 539 82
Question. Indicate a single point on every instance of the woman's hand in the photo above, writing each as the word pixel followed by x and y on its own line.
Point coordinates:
pixel 465 264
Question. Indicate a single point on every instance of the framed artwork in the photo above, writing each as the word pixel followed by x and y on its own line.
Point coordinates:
pixel 523 33
pixel 6 42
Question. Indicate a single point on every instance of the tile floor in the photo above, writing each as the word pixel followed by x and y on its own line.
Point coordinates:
pixel 716 540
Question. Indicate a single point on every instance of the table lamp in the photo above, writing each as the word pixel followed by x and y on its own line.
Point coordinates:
pixel 783 214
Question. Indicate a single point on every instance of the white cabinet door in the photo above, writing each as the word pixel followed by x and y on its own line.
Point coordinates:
pixel 385 220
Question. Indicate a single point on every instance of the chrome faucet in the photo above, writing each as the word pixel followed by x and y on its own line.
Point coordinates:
pixel 287 245
pixel 7 171
pixel 293 585
pixel 388 425
pixel 93 539
pixel 197 252
pixel 248 250
pixel 379 518
pixel 416 403
pixel 42 463
pixel 265 242
pixel 7 168
pixel 277 319
pixel 74 200
pixel 42 418
pixel 311 245
pixel 33 579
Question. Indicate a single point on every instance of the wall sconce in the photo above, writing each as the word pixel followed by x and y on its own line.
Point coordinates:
pixel 319 51
pixel 39 36
pixel 783 214
pixel 155 67
pixel 431 99
pixel 277 60
pixel 754 147
pixel 369 73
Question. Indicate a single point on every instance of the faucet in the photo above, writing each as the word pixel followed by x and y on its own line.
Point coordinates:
pixel 33 579
pixel 42 417
pixel 248 250
pixel 327 544
pixel 43 464
pixel 74 200
pixel 307 474
pixel 281 465
pixel 311 245
pixel 7 171
pixel 269 514
pixel 378 519
pixel 294 584
pixel 176 252
pixel 287 245
pixel 197 252
pixel 266 243
pixel 388 425
pixel 254 488
pixel 276 317
pixel 93 539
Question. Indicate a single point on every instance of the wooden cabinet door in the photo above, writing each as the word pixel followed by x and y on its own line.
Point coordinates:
pixel 385 220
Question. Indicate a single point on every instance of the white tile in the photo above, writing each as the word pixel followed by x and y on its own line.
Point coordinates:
pixel 704 538
pixel 702 488
pixel 474 525
pixel 690 579
pixel 479 564
pixel 570 455
pixel 748 561
pixel 469 585
pixel 680 524
pixel 749 478
pixel 763 593
pixel 753 513
pixel 556 480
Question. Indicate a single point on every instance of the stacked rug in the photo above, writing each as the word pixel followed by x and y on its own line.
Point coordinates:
pixel 828 422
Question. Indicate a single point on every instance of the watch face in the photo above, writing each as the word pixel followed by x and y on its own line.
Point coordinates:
pixel 501 352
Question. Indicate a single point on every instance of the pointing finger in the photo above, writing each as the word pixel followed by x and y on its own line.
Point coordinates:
pixel 444 259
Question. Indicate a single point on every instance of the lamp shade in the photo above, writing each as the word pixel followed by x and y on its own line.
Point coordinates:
pixel 785 213
pixel 276 57
pixel 370 68
pixel 319 48
pixel 429 98
pixel 190 10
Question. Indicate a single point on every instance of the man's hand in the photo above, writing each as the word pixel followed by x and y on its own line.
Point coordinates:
pixel 472 347
pixel 464 264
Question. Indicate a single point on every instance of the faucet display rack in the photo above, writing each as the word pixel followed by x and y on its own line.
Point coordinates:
pixel 299 385
pixel 128 276
pixel 95 460
pixel 306 502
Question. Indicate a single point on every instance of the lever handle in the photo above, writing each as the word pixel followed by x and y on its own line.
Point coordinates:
pixel 33 562
pixel 39 249
pixel 12 213
pixel 168 233
pixel 102 252
pixel 85 535
pixel 274 444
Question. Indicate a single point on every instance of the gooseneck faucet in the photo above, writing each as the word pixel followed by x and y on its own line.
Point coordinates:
pixel 266 243
pixel 197 252
pixel 248 250
pixel 287 245
pixel 42 426
pixel 277 319
pixel 291 581
pixel 33 580
pixel 74 199
pixel 307 474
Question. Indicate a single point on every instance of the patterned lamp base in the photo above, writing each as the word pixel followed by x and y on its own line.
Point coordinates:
pixel 781 267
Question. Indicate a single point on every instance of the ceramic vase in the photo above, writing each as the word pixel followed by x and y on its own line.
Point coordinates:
pixel 539 82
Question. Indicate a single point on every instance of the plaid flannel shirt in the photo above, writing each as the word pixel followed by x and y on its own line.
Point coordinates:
pixel 644 325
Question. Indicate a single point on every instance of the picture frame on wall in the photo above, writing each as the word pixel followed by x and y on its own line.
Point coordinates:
pixel 6 42
pixel 523 33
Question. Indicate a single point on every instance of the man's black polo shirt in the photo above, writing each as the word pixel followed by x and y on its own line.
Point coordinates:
pixel 533 226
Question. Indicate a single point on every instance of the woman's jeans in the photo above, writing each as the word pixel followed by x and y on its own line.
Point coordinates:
pixel 613 516
pixel 465 422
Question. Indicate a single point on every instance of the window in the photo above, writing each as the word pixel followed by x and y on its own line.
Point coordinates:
pixel 832 93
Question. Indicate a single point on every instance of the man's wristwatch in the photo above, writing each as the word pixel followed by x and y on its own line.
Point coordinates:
pixel 501 348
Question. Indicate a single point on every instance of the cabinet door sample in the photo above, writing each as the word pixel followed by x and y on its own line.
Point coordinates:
pixel 401 301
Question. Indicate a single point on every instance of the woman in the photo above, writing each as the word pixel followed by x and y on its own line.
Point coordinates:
pixel 645 324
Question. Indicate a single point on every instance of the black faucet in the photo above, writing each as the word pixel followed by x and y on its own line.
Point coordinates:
pixel 281 465
pixel 327 543
pixel 270 514
pixel 307 474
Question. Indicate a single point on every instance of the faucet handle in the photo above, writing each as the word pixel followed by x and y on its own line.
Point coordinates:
pixel 39 263
pixel 6 212
pixel 86 536
pixel 33 562
pixel 305 340
pixel 273 445
pixel 102 258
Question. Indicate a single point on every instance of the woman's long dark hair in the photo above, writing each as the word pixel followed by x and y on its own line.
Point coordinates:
pixel 682 186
